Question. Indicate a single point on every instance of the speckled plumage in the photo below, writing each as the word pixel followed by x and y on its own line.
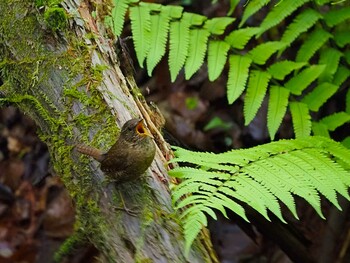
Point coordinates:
pixel 130 156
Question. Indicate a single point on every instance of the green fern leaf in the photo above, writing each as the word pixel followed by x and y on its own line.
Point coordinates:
pixel 118 14
pixel 301 119
pixel 252 7
pixel 281 69
pixel 141 31
pixel 239 38
pixel 159 35
pixel 336 16
pixel 259 177
pixel 314 42
pixel 320 129
pixel 317 97
pixel 237 76
pixel 329 57
pixel 298 83
pixel 300 24
pixel 256 90
pixel 347 102
pixel 262 52
pixel 342 38
pixel 341 75
pixel 217 55
pixel 336 120
pixel 197 49
pixel 280 12
pixel 233 4
pixel 217 25
pixel 278 102
pixel 179 43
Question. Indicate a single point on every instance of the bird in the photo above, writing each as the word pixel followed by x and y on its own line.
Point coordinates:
pixel 129 157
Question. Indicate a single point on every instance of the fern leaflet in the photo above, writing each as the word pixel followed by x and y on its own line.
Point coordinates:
pixel 298 83
pixel 217 55
pixel 261 53
pixel 329 57
pixel 237 76
pixel 347 102
pixel 159 36
pixel 316 40
pixel 217 25
pixel 141 31
pixel 320 129
pixel 301 119
pixel 342 38
pixel 118 14
pixel 336 120
pixel 300 24
pixel 275 171
pixel 239 38
pixel 179 43
pixel 252 7
pixel 341 75
pixel 317 97
pixel 281 69
pixel 336 16
pixel 277 108
pixel 280 12
pixel 197 49
pixel 256 90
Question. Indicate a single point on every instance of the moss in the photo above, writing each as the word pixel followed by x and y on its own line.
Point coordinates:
pixel 55 18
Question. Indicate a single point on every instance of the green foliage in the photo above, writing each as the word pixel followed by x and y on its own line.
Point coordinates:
pixel 259 177
pixel 192 37
pixel 55 18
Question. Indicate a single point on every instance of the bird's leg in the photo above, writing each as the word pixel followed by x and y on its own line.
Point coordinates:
pixel 124 208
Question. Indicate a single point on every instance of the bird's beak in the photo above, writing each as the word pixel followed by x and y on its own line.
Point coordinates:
pixel 142 130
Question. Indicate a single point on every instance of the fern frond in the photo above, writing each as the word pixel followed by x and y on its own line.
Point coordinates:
pixel 233 4
pixel 118 14
pixel 298 83
pixel 336 120
pixel 341 75
pixel 179 43
pixel 320 129
pixel 239 38
pixel 280 12
pixel 141 31
pixel 275 172
pixel 277 108
pixel 319 95
pixel 301 119
pixel 300 24
pixel 336 16
pixel 217 55
pixel 329 57
pixel 197 49
pixel 252 7
pixel 217 25
pixel 237 76
pixel 313 43
pixel 159 36
pixel 347 102
pixel 342 38
pixel 281 69
pixel 256 90
pixel 262 52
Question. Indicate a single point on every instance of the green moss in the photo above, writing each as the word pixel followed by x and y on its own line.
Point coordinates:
pixel 55 18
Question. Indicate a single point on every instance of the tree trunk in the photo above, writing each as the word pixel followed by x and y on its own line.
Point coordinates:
pixel 71 83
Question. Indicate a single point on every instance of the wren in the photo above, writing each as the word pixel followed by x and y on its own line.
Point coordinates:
pixel 129 157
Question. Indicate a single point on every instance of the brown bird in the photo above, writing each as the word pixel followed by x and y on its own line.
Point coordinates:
pixel 129 157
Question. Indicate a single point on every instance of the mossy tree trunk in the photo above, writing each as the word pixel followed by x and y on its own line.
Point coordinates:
pixel 70 81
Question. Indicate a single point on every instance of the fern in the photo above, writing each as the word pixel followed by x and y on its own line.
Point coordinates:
pixel 312 44
pixel 334 17
pixel 237 76
pixel 336 120
pixel 341 75
pixel 217 53
pixel 239 38
pixel 261 53
pixel 342 38
pixel 281 69
pixel 256 90
pixel 320 129
pixel 259 177
pixel 298 83
pixel 277 108
pixel 301 119
pixel 252 7
pixel 216 26
pixel 329 57
pixel 118 14
pixel 316 98
pixel 280 12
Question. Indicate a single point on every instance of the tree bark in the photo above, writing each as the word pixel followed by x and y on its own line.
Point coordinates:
pixel 71 83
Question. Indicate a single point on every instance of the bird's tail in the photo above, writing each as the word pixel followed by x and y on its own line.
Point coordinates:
pixel 91 151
